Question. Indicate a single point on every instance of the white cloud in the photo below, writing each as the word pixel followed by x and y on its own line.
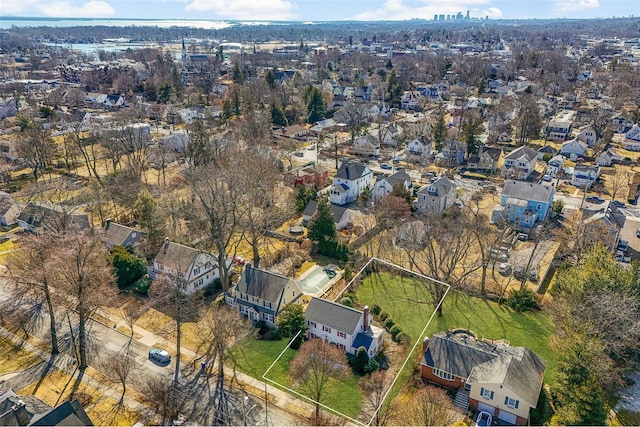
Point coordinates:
pixel 577 5
pixel 59 9
pixel 245 9
pixel 397 10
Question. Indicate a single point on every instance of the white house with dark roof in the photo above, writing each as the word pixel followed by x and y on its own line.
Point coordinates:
pixel 560 126
pixel 191 268
pixel 520 163
pixel 261 294
pixel 343 217
pixel 345 327
pixel 524 203
pixel 421 146
pixel 349 182
pixel 631 140
pixel 490 375
pixel 366 145
pixel 574 148
pixel 584 175
pixel 620 124
pixel 436 197
pixel 384 185
pixel 114 234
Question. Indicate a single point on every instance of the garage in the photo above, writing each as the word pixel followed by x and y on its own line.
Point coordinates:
pixel 486 408
pixel 507 417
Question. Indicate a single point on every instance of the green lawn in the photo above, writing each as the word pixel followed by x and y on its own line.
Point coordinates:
pixel 409 304
pixel 254 357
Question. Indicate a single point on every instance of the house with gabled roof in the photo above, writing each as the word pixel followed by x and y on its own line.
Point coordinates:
pixel 349 182
pixel 584 175
pixel 27 410
pixel 436 197
pixel 261 295
pixel 343 217
pixel 524 203
pixel 621 124
pixel 9 211
pixel 366 145
pixel 487 159
pixel 345 327
pixel 520 163
pixel 547 149
pixel 193 268
pixel 385 184
pixel 490 375
pixel 114 234
pixel 631 140
pixel 421 146
pixel 41 216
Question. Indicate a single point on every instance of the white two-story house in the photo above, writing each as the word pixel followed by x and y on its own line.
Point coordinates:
pixel 520 163
pixel 189 268
pixel 436 197
pixel 350 181
pixel 385 185
pixel 345 327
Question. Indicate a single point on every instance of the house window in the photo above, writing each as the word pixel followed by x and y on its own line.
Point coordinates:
pixel 326 329
pixel 196 271
pixel 511 403
pixel 342 334
pixel 538 206
pixel 442 374
pixel 487 394
pixel 341 347
pixel 267 304
pixel 256 300
pixel 268 318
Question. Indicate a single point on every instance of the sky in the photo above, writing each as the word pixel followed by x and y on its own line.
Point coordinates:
pixel 317 10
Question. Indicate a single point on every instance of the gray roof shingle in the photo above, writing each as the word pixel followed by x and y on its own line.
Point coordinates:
pixel 268 286
pixel 336 316
pixel 527 191
pixel 351 170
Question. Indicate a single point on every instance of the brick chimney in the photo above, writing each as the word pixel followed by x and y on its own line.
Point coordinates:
pixel 425 344
pixel 365 319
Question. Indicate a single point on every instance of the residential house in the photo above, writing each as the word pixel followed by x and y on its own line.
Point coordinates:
pixel 113 101
pixel 574 149
pixel 292 132
pixel 410 100
pixel 388 134
pixel 321 126
pixel 488 159
pixel 524 203
pixel 620 124
pixel 520 163
pixel 386 184
pixel 349 182
pixel 436 197
pixel 342 216
pixel 489 375
pixel 631 140
pixel 114 234
pixel 452 154
pixel 560 126
pixel 366 145
pixel 601 227
pixel 433 93
pixel 342 326
pixel 9 211
pixel 504 138
pixel 608 158
pixel 421 146
pixel 261 295
pixel 38 217
pixel 555 165
pixel 588 136
pixel 27 410
pixel 547 149
pixel 584 175
pixel 312 176
pixel 192 269
pixel 95 99
pixel 8 108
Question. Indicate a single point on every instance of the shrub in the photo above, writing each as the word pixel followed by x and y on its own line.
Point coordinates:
pixel 346 301
pixel 383 316
pixel 395 331
pixel 260 324
pixel 375 309
pixel 359 360
pixel 371 366
pixel 522 300
pixel 142 285
pixel 388 323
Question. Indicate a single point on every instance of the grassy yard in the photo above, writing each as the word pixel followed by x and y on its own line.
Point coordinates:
pixel 254 357
pixel 14 358
pixel 408 303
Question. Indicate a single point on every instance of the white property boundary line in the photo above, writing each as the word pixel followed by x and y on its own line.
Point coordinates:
pixel 395 379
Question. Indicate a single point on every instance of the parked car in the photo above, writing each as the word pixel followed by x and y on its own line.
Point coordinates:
pixel 638 232
pixel 518 272
pixel 618 204
pixel 533 275
pixel 298 154
pixel 498 255
pixel 546 178
pixel 595 199
pixel 483 419
pixel 504 268
pixel 238 260
pixel 386 166
pixel 523 237
pixel 311 147
pixel 159 356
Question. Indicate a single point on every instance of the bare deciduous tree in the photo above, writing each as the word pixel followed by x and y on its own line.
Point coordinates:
pixel 316 363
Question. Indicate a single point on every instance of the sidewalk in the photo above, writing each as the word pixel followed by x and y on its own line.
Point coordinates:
pixel 275 396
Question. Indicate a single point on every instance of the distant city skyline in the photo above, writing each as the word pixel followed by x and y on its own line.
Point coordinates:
pixel 317 10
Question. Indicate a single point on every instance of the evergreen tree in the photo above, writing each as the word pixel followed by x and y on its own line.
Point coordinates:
pixel 322 226
pixel 395 89
pixel 291 321
pixel 271 79
pixel 128 267
pixel 439 132
pixel 164 92
pixel 277 115
pixel 316 105
pixel 238 76
pixel 470 130
pixel 304 195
